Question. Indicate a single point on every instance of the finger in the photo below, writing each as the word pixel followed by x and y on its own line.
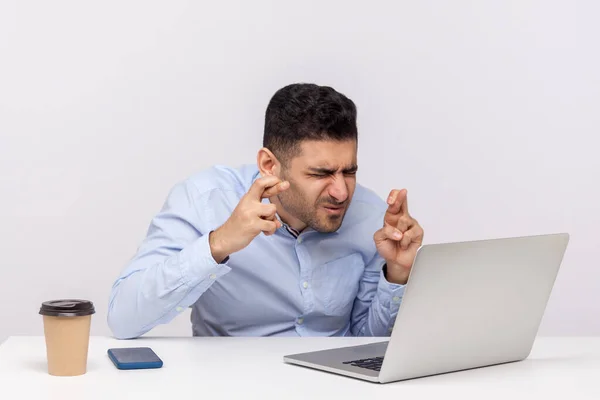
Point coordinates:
pixel 267 211
pixel 397 203
pixel 404 206
pixel 407 239
pixel 404 223
pixel 392 197
pixel 268 227
pixel 413 235
pixel 275 190
pixel 261 184
pixel 388 232
pixel 270 217
pixel 419 233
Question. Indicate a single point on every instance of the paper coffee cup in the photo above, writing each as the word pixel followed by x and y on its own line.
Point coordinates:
pixel 67 333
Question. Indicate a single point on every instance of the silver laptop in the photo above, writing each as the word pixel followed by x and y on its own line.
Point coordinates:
pixel 466 305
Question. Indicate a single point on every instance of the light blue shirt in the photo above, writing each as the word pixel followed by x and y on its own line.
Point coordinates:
pixel 315 284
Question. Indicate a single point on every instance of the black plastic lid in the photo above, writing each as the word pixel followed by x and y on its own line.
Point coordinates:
pixel 67 308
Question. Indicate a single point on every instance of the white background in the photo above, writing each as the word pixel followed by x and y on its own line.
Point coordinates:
pixel 486 111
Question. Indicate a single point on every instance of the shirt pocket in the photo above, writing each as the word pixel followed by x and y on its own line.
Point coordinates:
pixel 336 284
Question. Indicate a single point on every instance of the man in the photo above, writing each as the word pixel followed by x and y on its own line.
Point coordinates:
pixel 292 246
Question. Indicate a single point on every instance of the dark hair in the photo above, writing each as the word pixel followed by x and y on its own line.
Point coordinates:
pixel 305 111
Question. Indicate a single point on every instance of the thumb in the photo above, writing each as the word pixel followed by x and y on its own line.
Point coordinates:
pixel 388 232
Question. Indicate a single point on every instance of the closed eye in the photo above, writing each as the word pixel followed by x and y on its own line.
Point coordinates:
pixel 325 172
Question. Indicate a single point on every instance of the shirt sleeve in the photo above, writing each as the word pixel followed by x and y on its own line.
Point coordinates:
pixel 172 268
pixel 377 302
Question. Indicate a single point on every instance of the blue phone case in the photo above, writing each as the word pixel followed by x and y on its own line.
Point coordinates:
pixel 134 358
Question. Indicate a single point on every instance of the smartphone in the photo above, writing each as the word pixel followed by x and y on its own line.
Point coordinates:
pixel 134 358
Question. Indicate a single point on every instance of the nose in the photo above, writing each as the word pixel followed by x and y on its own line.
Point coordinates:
pixel 338 189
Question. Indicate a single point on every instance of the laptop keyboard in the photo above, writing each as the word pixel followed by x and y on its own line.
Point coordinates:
pixel 369 363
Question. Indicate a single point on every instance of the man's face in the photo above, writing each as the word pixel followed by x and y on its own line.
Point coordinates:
pixel 322 182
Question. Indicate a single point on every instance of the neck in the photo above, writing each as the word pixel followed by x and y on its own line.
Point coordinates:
pixel 286 217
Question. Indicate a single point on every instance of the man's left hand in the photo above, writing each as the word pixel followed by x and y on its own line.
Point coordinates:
pixel 399 239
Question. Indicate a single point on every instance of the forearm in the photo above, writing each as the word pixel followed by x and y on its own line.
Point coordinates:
pixel 377 318
pixel 153 289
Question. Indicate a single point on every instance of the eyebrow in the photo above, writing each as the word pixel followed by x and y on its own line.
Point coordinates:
pixel 330 171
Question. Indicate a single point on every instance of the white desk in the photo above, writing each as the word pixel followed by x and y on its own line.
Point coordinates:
pixel 243 368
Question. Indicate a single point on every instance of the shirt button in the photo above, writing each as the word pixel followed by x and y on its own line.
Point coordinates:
pixel 305 285
pixel 396 299
pixel 213 276
pixel 179 309
pixel 299 240
pixel 300 321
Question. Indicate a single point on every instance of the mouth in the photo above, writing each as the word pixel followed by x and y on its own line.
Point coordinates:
pixel 335 210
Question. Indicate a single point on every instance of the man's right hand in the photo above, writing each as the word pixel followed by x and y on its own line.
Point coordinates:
pixel 249 219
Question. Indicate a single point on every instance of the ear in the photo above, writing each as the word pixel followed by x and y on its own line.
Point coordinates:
pixel 267 163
